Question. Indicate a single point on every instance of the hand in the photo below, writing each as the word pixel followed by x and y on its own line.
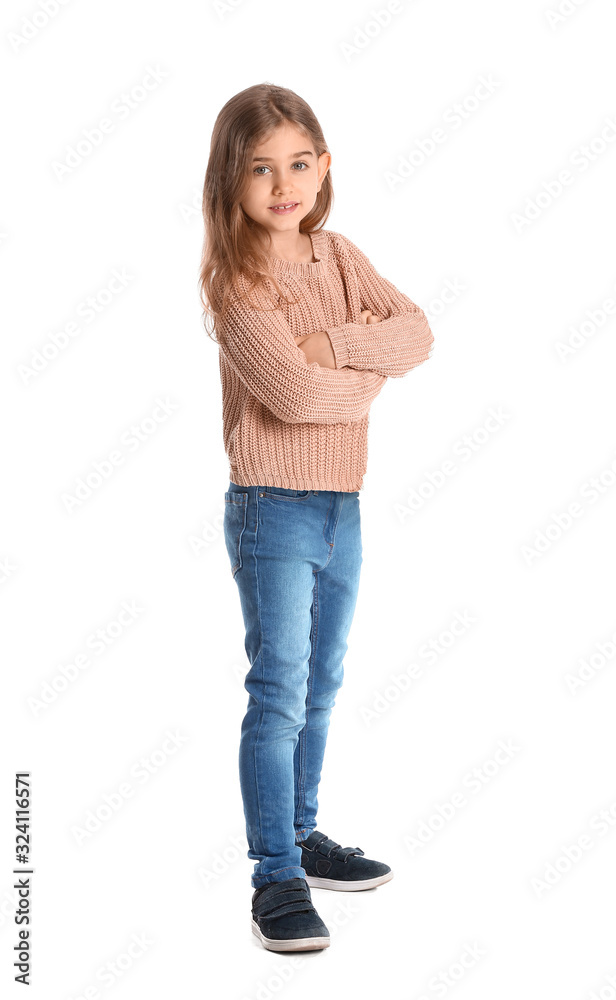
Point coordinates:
pixel 317 347
pixel 369 317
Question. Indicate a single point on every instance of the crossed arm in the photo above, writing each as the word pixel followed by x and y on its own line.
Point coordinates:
pixel 296 385
pixel 404 338
pixel 318 346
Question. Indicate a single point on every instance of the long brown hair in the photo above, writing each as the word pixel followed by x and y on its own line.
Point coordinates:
pixel 232 244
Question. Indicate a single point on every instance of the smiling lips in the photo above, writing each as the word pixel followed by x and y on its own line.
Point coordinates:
pixel 283 209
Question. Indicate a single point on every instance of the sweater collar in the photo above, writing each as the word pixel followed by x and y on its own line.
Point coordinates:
pixel 304 268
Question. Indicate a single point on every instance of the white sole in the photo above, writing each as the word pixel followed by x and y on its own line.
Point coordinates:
pixel 292 944
pixel 329 883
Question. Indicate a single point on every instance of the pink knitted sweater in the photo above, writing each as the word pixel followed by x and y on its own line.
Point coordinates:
pixel 298 425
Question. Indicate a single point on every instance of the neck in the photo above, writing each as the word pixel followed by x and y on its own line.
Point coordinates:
pixel 292 246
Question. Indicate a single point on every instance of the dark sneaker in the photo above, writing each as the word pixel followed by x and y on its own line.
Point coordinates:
pixel 284 919
pixel 330 866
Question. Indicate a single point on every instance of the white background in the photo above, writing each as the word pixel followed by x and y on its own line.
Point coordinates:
pixel 169 863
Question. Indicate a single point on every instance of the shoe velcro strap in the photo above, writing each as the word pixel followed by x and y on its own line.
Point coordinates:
pixel 328 847
pixel 299 906
pixel 346 852
pixel 282 901
pixel 325 846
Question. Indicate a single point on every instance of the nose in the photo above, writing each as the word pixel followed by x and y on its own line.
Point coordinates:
pixel 280 188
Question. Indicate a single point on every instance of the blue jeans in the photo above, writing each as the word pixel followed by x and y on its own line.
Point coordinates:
pixel 296 557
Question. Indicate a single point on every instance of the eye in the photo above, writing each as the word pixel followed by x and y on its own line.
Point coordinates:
pixel 298 163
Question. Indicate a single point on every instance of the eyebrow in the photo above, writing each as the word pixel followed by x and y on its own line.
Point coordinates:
pixel 304 152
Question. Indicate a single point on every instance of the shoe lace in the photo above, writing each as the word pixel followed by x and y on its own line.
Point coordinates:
pixel 278 898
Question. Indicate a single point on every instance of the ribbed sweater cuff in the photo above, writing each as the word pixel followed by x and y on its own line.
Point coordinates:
pixel 337 336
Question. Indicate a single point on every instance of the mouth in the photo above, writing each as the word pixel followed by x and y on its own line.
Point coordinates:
pixel 284 209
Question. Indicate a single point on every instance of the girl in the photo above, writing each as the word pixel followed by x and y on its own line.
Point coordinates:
pixel 292 303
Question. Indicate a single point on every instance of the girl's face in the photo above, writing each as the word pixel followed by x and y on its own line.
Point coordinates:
pixel 285 168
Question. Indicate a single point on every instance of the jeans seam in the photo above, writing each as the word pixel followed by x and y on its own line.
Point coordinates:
pixel 302 749
pixel 263 681
pixel 331 500
pixel 281 496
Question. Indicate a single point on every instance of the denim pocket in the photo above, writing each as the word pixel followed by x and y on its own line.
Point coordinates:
pixel 236 507
pixel 282 493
